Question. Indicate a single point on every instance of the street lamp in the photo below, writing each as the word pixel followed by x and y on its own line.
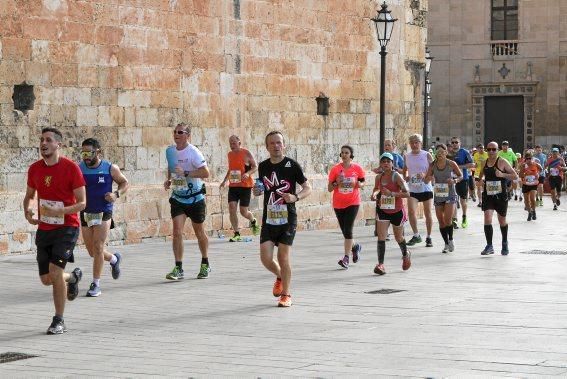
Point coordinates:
pixel 426 98
pixel 384 24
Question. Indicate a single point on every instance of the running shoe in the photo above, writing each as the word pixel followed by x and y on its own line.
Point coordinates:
pixel 521 198
pixel 73 288
pixel 516 197
pixel 455 225
pixel 255 227
pixel 428 242
pixel 204 271
pixel 277 290
pixel 445 249
pixel 235 238
pixel 558 202
pixel 465 223
pixel 554 207
pixel 534 217
pixel 175 274
pixel 379 269
pixel 344 262
pixel 451 246
pixel 406 261
pixel 57 326
pixel 285 301
pixel 356 249
pixel 116 267
pixel 479 204
pixel 94 290
pixel 474 199
pixel 540 203
pixel 414 240
pixel 529 216
pixel 504 250
pixel 487 250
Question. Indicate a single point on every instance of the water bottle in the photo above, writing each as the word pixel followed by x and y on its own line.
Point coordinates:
pixel 247 239
pixel 259 184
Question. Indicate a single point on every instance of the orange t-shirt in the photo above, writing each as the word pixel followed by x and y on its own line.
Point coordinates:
pixel 531 174
pixel 345 194
pixel 237 167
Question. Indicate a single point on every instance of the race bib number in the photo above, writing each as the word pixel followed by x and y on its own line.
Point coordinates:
pixel 442 190
pixel 52 220
pixel 554 171
pixel 93 219
pixel 531 180
pixel 179 183
pixel 347 185
pixel 276 214
pixel 235 176
pixel 416 183
pixel 387 202
pixel 493 187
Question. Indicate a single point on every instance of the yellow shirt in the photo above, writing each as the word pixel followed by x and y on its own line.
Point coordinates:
pixel 479 160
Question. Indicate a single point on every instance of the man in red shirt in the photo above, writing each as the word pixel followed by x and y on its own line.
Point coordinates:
pixel 60 187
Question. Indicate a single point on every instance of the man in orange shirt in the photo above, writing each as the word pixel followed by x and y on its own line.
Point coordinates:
pixel 241 166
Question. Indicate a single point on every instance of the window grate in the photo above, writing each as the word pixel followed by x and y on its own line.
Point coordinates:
pixel 544 252
pixel 384 291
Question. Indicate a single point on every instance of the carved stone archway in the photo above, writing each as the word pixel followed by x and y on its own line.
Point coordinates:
pixel 525 89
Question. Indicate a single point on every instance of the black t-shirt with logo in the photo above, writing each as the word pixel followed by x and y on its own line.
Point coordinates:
pixel 278 179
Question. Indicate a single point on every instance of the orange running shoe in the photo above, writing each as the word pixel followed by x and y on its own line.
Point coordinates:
pixel 285 301
pixel 277 291
pixel 406 261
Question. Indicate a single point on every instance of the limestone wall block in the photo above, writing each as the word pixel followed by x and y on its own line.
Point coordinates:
pixel 87 116
pixel 146 117
pixel 37 73
pixel 134 98
pixel 77 96
pixel 110 116
pixel 104 96
pixel 12 73
pixel 20 242
pixel 130 137
pixel 4 239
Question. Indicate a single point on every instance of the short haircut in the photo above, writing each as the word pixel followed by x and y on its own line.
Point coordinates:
pixel 273 132
pixel 455 139
pixel 92 142
pixel 58 134
pixel 416 137
pixel 185 126
pixel 441 146
pixel 538 146
pixel 480 146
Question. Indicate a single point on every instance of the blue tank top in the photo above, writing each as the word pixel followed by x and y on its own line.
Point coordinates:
pixel 98 182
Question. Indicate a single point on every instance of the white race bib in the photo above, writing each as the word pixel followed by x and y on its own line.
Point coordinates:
pixel 493 187
pixel 276 214
pixel 531 180
pixel 554 171
pixel 93 219
pixel 442 190
pixel 387 202
pixel 416 183
pixel 347 185
pixel 179 183
pixel 52 220
pixel 234 176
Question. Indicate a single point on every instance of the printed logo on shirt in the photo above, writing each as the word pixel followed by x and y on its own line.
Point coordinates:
pixel 288 164
pixel 47 180
pixel 101 179
pixel 276 187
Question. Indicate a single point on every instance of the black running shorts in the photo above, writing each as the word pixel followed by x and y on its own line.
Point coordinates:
pixel 462 189
pixel 396 219
pixel 242 194
pixel 541 179
pixel 196 211
pixel 555 183
pixel 526 188
pixel 55 246
pixel 496 203
pixel 422 196
pixel 105 217
pixel 283 234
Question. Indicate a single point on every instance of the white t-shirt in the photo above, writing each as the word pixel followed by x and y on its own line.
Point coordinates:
pixel 417 163
pixel 190 159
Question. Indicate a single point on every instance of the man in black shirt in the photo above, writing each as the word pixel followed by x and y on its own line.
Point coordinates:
pixel 279 176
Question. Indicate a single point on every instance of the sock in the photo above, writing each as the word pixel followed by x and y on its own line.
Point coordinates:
pixel 59 317
pixel 179 264
pixel 253 222
pixel 236 233
pixel 444 235
pixel 113 260
pixel 72 278
pixel 488 234
pixel 450 232
pixel 381 251
pixel 464 217
pixel 429 236
pixel 416 235
pixel 504 230
pixel 205 261
pixel 96 282
pixel 403 247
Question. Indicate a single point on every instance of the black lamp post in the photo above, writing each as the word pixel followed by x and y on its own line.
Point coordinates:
pixel 426 98
pixel 384 24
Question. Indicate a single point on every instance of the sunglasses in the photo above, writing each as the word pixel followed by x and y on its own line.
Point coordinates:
pixel 528 158
pixel 455 142
pixel 179 132
pixel 87 154
pixel 491 149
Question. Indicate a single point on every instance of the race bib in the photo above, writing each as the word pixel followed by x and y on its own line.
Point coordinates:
pixel 276 214
pixel 52 220
pixel 493 187
pixel 347 185
pixel 531 180
pixel 554 171
pixel 416 183
pixel 234 176
pixel 179 183
pixel 387 202
pixel 441 190
pixel 93 219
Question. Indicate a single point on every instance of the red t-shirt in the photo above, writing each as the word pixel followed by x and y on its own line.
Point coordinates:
pixel 55 185
pixel 345 194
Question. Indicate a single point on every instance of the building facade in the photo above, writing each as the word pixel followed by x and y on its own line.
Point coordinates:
pixel 500 71
pixel 128 71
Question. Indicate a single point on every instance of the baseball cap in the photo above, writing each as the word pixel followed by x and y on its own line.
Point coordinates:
pixel 387 155
pixel 555 150
pixel 505 143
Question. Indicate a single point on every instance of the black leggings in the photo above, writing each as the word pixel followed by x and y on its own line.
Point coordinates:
pixel 346 217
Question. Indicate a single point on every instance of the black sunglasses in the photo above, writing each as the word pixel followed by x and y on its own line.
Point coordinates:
pixel 491 149
pixel 455 142
pixel 179 132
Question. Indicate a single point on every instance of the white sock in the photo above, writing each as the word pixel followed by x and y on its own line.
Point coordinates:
pixel 96 282
pixel 416 235
pixel 113 260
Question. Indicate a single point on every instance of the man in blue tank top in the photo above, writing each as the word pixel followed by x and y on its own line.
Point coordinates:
pixel 96 219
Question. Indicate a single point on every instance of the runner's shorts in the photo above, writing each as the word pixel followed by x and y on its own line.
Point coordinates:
pixel 555 183
pixel 196 211
pixel 526 188
pixel 396 219
pixel 283 234
pixel 55 246
pixel 422 196
pixel 499 203
pixel 242 194
pixel 105 217
pixel 462 189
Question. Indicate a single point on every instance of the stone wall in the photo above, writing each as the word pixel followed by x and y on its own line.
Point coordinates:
pixel 126 72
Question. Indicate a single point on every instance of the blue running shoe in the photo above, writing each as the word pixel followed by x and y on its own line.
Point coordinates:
pixel 116 267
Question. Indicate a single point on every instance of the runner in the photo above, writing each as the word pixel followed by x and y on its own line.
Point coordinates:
pixel 541 158
pixel 446 173
pixel 186 169
pixel 278 176
pixel 479 158
pixel 508 154
pixel 345 181
pixel 465 162
pixel 529 173
pixel 416 165
pixel 556 168
pixel 494 196
pixel 241 166
pixel 60 189
pixel 517 184
pixel 96 219
pixel 389 189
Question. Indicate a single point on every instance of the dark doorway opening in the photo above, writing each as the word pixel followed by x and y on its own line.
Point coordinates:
pixel 504 120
